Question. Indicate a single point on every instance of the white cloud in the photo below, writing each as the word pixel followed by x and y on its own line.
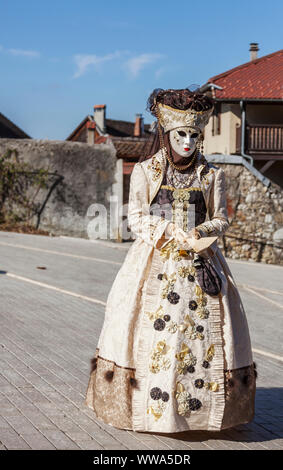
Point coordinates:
pixel 25 53
pixel 136 64
pixel 84 61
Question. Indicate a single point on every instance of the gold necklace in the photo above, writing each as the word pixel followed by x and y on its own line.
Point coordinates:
pixel 188 182
pixel 183 167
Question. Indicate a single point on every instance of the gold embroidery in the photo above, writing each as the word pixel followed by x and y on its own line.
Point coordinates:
pixel 184 271
pixel 182 397
pixel 212 386
pixel 203 313
pixel 205 179
pixel 158 360
pixel 170 281
pixel 206 227
pixel 171 249
pixel 189 328
pixel 171 188
pixel 185 358
pixel 172 327
pixel 156 168
pixel 159 313
pixel 209 353
pixel 201 301
pixel 171 118
pixel 184 111
pixel 157 409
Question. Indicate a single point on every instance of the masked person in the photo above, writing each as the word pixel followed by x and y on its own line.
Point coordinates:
pixel 174 353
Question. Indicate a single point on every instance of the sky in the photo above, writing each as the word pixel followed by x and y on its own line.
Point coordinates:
pixel 60 58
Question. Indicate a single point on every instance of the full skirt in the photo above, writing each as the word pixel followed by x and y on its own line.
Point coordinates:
pixel 183 346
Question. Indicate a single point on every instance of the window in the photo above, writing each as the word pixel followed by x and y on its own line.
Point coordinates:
pixel 216 119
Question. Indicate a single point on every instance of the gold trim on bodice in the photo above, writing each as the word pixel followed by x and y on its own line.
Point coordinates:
pixel 180 204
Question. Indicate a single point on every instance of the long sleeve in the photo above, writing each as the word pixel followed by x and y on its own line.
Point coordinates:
pixel 217 208
pixel 142 224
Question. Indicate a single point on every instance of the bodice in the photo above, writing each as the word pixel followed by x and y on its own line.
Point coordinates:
pixel 178 201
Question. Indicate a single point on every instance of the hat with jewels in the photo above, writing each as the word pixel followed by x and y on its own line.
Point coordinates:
pixel 172 118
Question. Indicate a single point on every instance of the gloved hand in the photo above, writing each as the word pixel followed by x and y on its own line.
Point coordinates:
pixel 194 233
pixel 179 235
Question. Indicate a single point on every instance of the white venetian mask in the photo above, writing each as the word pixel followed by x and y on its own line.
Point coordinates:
pixel 184 140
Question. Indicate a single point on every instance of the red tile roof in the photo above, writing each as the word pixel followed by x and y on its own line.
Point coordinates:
pixel 120 128
pixel 257 79
pixel 130 148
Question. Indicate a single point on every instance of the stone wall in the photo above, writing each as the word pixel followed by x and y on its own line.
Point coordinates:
pixel 256 215
pixel 82 174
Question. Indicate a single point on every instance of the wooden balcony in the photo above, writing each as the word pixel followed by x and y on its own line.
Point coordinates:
pixel 263 141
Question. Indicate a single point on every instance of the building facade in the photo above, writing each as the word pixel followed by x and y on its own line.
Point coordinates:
pixel 248 116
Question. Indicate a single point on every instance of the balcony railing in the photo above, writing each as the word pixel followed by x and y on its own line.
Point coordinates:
pixel 264 139
pixel 261 140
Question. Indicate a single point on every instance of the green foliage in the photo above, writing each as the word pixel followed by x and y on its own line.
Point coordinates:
pixel 19 185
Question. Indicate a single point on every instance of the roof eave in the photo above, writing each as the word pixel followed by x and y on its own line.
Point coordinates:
pixel 82 123
pixel 259 100
pixel 13 127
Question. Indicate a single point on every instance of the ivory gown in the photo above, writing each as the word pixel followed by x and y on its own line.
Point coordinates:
pixel 171 358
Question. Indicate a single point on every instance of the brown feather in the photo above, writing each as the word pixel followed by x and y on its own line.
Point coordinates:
pixel 247 379
pixel 231 382
pixel 109 375
pixel 133 382
pixel 93 364
pixel 255 370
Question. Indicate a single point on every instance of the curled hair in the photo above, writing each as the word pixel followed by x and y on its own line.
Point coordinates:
pixel 179 99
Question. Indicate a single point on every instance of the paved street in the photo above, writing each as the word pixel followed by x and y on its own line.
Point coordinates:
pixel 50 323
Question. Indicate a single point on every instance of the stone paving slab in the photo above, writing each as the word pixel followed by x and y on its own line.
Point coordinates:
pixel 47 338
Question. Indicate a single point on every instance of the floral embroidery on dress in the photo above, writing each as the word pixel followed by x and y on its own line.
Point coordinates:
pixel 185 359
pixel 185 271
pixel 157 408
pixel 156 393
pixel 189 328
pixel 212 386
pixel 159 361
pixel 156 168
pixel 201 311
pixel 172 327
pixel 193 305
pixel 186 403
pixel 172 250
pixel 169 282
pixel 173 297
pixel 159 318
pixel 208 356
pixel 205 175
pixel 159 313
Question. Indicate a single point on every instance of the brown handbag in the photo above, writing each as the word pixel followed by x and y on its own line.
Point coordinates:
pixel 207 277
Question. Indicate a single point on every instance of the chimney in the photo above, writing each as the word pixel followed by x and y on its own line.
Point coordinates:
pixel 99 116
pixel 139 126
pixel 253 50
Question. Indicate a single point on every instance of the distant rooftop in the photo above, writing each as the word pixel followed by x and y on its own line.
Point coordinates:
pixel 260 79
